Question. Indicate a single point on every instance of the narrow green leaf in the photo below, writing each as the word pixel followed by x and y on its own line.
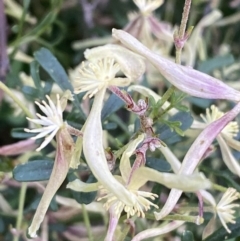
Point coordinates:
pixel 34 70
pixel 32 171
pixel 19 133
pixel 169 136
pixel 30 91
pixel 51 65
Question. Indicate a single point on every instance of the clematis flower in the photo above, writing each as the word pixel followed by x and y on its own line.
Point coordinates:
pixel 225 138
pixel 195 153
pixel 121 193
pixel 186 79
pixel 115 203
pixel 225 210
pixel 53 124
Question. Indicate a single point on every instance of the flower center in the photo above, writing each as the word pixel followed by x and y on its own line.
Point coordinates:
pixel 142 204
pixel 95 75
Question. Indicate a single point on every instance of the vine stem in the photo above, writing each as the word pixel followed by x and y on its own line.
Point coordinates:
pixel 185 14
pixel 181 36
pixel 87 223
pixel 20 208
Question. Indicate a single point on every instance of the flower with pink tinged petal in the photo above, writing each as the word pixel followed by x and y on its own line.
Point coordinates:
pixel 225 138
pixel 195 153
pixel 186 79
pixel 53 124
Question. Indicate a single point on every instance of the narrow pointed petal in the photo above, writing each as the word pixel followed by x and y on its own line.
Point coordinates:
pixel 125 166
pixel 149 233
pixel 195 153
pixel 228 157
pixel 208 197
pixel 186 79
pixel 18 148
pixel 210 227
pixel 195 182
pixel 113 222
pixel 235 144
pixel 59 172
pixel 190 183
pixel 79 186
pixel 94 152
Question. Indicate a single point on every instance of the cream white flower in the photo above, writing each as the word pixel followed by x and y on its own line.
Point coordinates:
pixel 225 139
pixel 224 209
pixel 51 122
pixel 102 66
pixel 95 75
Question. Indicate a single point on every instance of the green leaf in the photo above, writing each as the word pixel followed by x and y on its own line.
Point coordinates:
pixel 51 65
pixel 45 23
pixel 158 164
pixel 30 91
pixel 32 171
pixel 215 63
pixel 170 137
pixel 222 234
pixel 34 70
pixel 19 133
pixel 187 236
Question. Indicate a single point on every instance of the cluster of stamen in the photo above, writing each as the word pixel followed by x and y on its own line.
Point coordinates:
pixel 142 204
pixel 95 75
pixel 225 207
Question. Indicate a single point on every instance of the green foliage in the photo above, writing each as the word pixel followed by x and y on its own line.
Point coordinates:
pixel 35 170
pixel 187 236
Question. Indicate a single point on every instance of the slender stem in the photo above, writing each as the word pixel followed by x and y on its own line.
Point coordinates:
pixel 20 208
pixel 87 223
pixel 219 187
pixel 185 14
pixel 182 30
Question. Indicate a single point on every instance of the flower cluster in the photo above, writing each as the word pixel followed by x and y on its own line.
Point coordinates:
pixel 122 188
